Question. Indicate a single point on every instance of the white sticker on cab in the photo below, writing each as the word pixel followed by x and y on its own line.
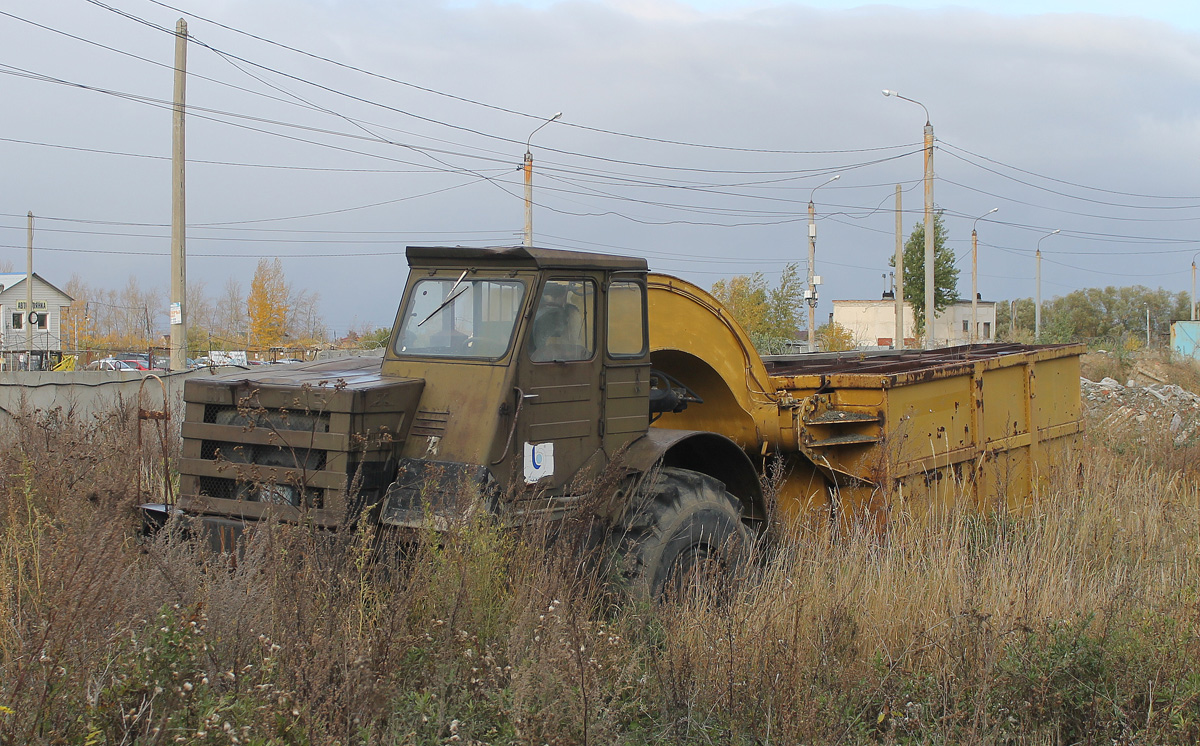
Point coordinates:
pixel 539 461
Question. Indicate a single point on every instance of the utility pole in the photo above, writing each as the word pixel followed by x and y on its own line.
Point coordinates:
pixel 29 314
pixel 1037 309
pixel 930 289
pixel 1147 326
pixel 929 226
pixel 529 181
pixel 813 279
pixel 898 342
pixel 1193 287
pixel 974 334
pixel 178 218
pixel 811 298
pixel 1037 305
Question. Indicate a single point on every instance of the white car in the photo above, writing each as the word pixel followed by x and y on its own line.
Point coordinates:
pixel 110 363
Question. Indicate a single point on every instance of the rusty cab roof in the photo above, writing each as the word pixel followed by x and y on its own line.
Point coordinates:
pixel 519 256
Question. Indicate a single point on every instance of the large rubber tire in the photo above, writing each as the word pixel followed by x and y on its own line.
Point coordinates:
pixel 682 528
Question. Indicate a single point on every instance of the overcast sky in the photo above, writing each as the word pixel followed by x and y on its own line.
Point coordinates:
pixel 693 134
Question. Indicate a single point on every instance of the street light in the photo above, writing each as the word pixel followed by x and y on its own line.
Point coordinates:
pixel 929 224
pixel 529 181
pixel 812 258
pixel 1037 308
pixel 973 336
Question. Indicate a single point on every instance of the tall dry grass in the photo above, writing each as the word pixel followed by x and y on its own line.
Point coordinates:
pixel 1079 623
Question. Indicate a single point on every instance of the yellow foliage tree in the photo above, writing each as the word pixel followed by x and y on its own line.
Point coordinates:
pixel 833 337
pixel 771 316
pixel 267 304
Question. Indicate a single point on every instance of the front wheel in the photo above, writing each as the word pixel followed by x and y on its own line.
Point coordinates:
pixel 682 530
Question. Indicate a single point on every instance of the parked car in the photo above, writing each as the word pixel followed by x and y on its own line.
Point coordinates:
pixel 110 363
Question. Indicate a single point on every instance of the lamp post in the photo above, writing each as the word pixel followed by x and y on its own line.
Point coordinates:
pixel 974 335
pixel 812 258
pixel 529 181
pixel 929 226
pixel 1037 308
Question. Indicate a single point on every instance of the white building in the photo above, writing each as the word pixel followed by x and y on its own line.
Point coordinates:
pixel 873 322
pixel 49 304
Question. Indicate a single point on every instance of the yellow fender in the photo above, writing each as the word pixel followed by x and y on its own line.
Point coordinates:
pixel 695 340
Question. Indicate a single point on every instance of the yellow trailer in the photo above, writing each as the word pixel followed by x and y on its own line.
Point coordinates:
pixel 854 434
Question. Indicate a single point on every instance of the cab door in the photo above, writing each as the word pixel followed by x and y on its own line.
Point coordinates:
pixel 626 378
pixel 559 381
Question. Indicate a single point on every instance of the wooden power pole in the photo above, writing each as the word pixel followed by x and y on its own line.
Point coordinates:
pixel 178 218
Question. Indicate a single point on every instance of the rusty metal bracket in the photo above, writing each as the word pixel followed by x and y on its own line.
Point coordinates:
pixel 162 417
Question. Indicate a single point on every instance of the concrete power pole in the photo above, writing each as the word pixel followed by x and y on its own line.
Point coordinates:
pixel 898 342
pixel 528 168
pixel 929 224
pixel 178 217
pixel 28 320
pixel 812 277
pixel 930 288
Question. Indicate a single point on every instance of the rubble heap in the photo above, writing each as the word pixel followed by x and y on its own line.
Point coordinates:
pixel 1172 410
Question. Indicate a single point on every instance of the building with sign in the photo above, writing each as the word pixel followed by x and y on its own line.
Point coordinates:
pixel 18 350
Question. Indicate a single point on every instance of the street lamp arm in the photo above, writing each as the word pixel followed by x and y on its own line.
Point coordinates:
pixel 529 139
pixel 888 92
pixel 981 217
pixel 1048 235
pixel 830 180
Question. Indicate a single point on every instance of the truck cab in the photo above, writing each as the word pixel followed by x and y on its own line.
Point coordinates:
pixel 537 369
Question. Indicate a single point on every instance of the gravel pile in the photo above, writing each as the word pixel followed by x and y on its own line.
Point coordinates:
pixel 1163 407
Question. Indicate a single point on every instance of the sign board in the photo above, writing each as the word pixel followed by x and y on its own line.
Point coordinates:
pixel 176 313
pixel 39 305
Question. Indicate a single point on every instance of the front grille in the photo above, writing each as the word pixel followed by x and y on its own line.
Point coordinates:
pixel 216 487
pixel 260 492
pixel 277 419
pixel 250 440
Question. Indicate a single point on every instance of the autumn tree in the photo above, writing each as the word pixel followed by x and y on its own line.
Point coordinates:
pixel 1098 314
pixel 267 304
pixel 945 274
pixel 770 315
pixel 833 337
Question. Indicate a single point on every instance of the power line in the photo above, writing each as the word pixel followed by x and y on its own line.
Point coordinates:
pixel 1064 182
pixel 492 106
pixel 101 151
pixel 1082 199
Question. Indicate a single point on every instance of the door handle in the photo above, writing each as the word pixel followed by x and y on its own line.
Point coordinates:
pixel 521 397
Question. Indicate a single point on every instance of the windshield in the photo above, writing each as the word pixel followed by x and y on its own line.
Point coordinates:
pixel 460 317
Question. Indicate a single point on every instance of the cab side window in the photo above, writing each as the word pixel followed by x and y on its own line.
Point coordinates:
pixel 626 328
pixel 564 325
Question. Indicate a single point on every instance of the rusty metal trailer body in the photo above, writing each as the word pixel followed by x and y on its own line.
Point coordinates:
pixel 855 431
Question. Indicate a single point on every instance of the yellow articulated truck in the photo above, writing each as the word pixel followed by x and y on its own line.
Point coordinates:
pixel 518 378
